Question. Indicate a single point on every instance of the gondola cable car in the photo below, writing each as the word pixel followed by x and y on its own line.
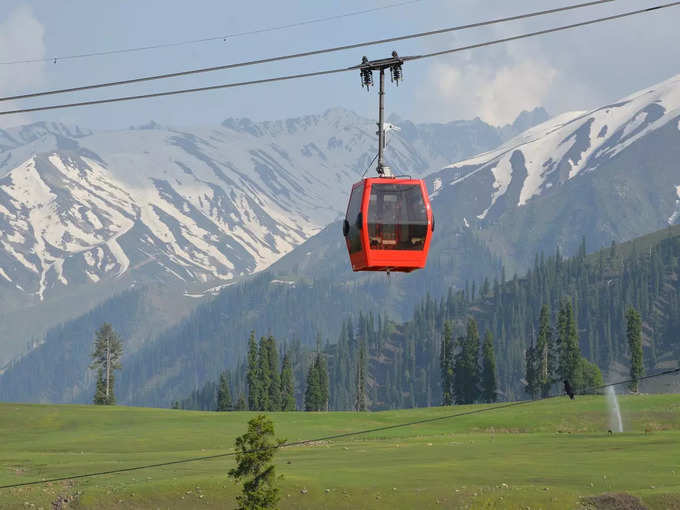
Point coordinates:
pixel 389 223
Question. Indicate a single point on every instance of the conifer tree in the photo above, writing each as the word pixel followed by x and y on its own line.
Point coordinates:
pixel 544 353
pixel 254 452
pixel 241 403
pixel 489 384
pixel 531 374
pixel 324 392
pixel 264 375
pixel 313 388
pixel 274 379
pixel 252 376
pixel 108 349
pixel 360 400
pixel 446 365
pixel 467 366
pixel 634 334
pixel 224 402
pixel 100 389
pixel 287 385
pixel 570 353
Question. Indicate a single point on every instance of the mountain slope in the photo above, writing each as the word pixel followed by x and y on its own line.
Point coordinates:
pixel 403 360
pixel 89 213
pixel 609 174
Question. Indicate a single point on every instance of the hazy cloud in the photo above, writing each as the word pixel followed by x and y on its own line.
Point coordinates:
pixel 495 94
pixel 21 36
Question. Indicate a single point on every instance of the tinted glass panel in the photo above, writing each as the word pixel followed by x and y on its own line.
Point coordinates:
pixel 397 218
pixel 353 210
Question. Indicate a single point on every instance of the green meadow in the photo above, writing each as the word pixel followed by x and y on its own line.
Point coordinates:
pixel 549 454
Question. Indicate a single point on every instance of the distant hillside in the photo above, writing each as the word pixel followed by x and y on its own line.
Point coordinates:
pixel 82 211
pixel 609 174
pixel 182 357
pixel 403 367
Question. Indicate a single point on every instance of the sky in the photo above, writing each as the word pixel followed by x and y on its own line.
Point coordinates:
pixel 575 70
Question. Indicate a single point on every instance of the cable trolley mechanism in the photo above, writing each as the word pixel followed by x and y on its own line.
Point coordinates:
pixel 388 225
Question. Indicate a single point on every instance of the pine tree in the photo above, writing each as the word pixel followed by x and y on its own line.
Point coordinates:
pixel 264 375
pixel 544 353
pixel 360 400
pixel 467 366
pixel 489 384
pixel 313 388
pixel 108 349
pixel 100 389
pixel 570 353
pixel 634 334
pixel 254 388
pixel 446 365
pixel 241 403
pixel 287 385
pixel 324 392
pixel 531 374
pixel 224 392
pixel 274 379
pixel 254 453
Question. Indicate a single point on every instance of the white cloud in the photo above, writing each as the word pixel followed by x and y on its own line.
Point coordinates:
pixel 496 94
pixel 21 36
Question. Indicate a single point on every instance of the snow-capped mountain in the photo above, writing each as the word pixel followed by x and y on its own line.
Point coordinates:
pixel 209 204
pixel 571 144
pixel 608 174
pixel 198 205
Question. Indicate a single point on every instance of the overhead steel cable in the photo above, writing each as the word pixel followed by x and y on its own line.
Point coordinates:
pixel 209 39
pixel 305 53
pixel 342 69
pixel 550 30
pixel 338 436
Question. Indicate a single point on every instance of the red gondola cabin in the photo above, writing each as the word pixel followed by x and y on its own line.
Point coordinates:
pixel 388 225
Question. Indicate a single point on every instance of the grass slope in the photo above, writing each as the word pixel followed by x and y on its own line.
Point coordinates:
pixel 546 454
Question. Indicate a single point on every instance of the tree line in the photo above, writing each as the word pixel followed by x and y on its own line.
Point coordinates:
pixel 566 319
pixel 468 373
pixel 555 356
pixel 266 384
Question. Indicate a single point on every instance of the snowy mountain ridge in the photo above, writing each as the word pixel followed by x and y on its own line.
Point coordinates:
pixel 570 145
pixel 202 205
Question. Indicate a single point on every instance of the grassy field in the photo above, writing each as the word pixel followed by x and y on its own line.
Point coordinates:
pixel 548 454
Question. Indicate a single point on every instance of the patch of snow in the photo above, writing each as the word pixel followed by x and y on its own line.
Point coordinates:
pixel 502 174
pixel 436 185
pixel 4 275
pixel 20 257
pixel 465 222
pixel 89 258
pixel 637 121
pixel 676 214
pixel 119 255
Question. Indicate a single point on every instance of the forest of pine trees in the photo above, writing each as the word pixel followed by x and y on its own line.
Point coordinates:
pixel 553 359
pixel 567 318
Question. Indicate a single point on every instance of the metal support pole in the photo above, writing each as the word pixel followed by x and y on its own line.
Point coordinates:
pixel 381 130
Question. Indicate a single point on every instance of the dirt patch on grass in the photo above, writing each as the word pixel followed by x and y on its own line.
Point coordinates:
pixel 665 501
pixel 620 501
pixel 316 444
